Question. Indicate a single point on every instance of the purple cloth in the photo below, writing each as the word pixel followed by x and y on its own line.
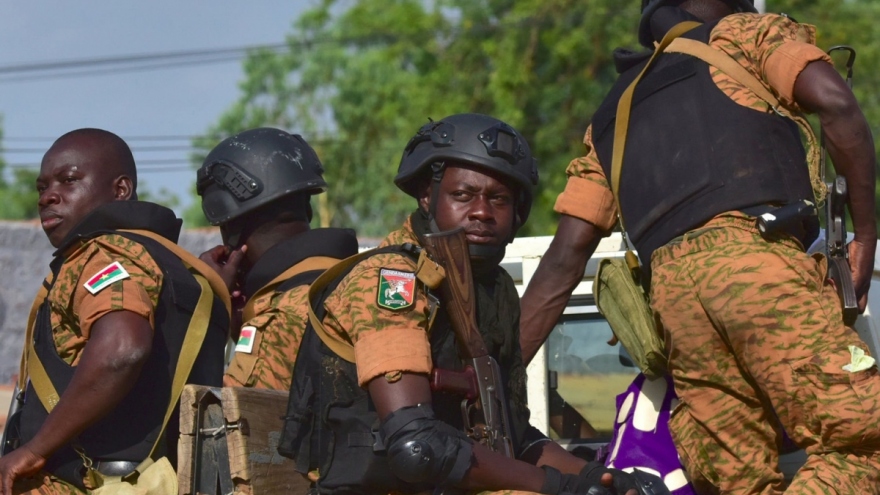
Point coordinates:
pixel 641 438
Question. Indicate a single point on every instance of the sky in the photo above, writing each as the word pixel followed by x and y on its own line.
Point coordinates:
pixel 170 102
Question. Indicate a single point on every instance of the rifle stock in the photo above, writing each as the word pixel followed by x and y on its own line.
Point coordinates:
pixel 492 426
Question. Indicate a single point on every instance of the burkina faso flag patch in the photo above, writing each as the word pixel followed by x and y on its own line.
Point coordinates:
pixel 113 272
pixel 396 289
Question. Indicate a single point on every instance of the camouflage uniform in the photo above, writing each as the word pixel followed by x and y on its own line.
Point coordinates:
pixel 385 342
pixel 75 310
pixel 279 323
pixel 753 329
pixel 277 317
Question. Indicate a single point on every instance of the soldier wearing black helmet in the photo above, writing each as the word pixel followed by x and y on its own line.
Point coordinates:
pixel 690 152
pixel 362 415
pixel 257 185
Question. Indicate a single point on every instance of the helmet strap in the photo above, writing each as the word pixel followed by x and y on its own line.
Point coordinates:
pixel 437 171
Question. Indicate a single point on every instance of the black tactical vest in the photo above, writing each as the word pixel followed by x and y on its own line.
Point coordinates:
pixel 332 424
pixel 692 152
pixel 129 431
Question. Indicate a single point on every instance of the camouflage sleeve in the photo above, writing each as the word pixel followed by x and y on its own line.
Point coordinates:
pixel 774 48
pixel 587 193
pixel 265 354
pixel 114 274
pixel 380 309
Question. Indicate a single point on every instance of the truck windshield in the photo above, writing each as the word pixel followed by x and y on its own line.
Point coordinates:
pixel 585 376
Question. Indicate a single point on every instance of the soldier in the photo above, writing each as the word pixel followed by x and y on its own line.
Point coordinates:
pixel 753 330
pixel 270 255
pixel 110 325
pixel 364 419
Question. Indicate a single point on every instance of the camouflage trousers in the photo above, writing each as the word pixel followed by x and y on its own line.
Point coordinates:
pixel 44 484
pixel 757 345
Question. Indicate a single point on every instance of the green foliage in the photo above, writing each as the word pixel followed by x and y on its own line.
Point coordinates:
pixel 361 76
pixel 18 191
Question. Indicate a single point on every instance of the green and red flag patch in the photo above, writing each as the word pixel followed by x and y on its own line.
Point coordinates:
pixel 246 339
pixel 396 289
pixel 106 276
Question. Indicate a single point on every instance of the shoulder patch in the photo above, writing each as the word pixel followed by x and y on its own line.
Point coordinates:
pixel 113 272
pixel 396 289
pixel 246 339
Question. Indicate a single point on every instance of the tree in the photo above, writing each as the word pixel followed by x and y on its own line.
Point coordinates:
pixel 361 77
pixel 18 191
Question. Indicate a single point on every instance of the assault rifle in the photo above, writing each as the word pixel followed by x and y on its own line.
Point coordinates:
pixel 484 407
pixel 835 222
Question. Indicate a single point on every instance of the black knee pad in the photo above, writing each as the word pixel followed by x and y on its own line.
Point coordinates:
pixel 423 449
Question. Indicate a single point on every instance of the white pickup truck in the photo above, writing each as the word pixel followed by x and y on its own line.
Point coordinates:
pixel 577 365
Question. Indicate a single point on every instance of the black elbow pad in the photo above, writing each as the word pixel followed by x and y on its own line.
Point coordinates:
pixel 423 449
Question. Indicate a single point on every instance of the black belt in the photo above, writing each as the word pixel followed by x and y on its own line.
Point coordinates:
pixel 116 468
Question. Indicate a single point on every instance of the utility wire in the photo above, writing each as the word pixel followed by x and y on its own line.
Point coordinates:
pixel 160 60
pixel 127 59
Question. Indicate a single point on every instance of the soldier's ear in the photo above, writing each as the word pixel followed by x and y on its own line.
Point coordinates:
pixel 124 189
pixel 425 196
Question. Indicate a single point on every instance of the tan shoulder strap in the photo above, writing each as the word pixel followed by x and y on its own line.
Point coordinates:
pixel 42 292
pixel 726 64
pixel 624 109
pixel 189 259
pixel 31 363
pixel 189 351
pixel 427 271
pixel 306 265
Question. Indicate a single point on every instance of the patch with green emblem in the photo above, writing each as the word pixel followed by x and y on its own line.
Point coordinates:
pixel 396 289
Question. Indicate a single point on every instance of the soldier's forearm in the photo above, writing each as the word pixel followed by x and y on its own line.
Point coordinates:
pixel 559 272
pixel 820 89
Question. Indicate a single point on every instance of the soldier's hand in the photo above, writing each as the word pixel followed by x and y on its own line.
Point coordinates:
pixel 861 262
pixel 594 479
pixel 20 463
pixel 225 261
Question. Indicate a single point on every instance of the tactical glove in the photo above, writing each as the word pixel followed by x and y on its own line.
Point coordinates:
pixel 588 481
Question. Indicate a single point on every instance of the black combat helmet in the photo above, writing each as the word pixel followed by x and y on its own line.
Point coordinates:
pixel 472 139
pixel 253 168
pixel 650 6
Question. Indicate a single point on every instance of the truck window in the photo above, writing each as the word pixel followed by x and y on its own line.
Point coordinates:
pixel 585 376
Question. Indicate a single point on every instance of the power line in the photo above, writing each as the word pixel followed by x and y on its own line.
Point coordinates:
pixel 134 149
pixel 161 60
pixel 125 59
pixel 169 137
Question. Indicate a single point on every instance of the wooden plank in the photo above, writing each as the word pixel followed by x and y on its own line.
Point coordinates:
pixel 254 419
pixel 189 400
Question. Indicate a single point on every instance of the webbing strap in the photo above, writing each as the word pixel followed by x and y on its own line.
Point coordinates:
pixel 189 351
pixel 306 265
pixel 35 371
pixel 29 331
pixel 427 272
pixel 191 261
pixel 624 109
pixel 726 64
pixel 345 350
